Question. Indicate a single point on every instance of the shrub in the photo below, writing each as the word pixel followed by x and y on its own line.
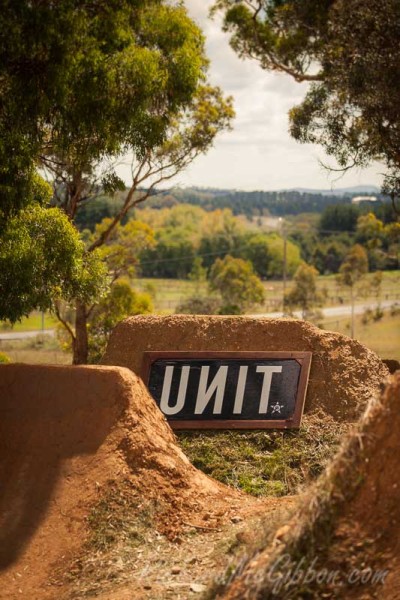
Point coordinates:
pixel 367 316
pixel 4 358
pixel 378 314
pixel 199 305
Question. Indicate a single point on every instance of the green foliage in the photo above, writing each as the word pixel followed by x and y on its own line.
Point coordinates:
pixel 304 293
pixel 222 234
pixel 197 273
pixel 120 251
pixel 4 358
pixel 187 235
pixel 338 218
pixel 199 305
pixel 281 35
pixel 238 285
pixel 329 254
pixel 354 111
pixel 92 212
pixel 354 267
pixel 83 84
pixel 276 252
pixel 380 240
pixel 257 251
pixel 277 203
pixel 369 230
pixel 43 259
pixel 188 129
pixel 90 77
pixel 121 302
pixel 171 256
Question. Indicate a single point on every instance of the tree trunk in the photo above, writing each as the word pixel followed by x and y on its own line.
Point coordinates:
pixel 352 312
pixel 80 345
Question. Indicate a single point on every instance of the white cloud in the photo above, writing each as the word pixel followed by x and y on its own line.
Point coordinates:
pixel 259 152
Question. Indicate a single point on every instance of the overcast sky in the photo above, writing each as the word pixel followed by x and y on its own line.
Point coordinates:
pixel 258 154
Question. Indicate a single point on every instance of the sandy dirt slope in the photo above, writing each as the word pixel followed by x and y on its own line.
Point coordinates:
pixel 349 523
pixel 344 373
pixel 65 433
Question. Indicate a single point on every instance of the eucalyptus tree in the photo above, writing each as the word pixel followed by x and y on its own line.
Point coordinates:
pixel 154 104
pixel 190 132
pixel 85 83
pixel 351 274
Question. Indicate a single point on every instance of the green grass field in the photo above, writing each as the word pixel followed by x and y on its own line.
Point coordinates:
pixel 170 292
pixel 37 350
pixel 381 336
pixel 32 323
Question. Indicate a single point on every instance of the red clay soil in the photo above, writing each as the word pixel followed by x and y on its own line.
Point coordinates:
pixel 351 521
pixel 344 373
pixel 65 433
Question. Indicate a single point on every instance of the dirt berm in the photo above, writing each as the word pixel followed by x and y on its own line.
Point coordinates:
pixel 65 433
pixel 348 524
pixel 344 373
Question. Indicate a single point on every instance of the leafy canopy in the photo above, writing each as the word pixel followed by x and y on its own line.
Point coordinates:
pixel 354 267
pixel 42 259
pixel 120 302
pixel 239 286
pixel 86 78
pixel 304 293
pixel 84 82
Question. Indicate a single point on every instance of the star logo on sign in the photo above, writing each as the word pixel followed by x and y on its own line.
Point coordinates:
pixel 276 408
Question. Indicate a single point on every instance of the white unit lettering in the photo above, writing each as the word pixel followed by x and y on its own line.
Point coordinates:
pixel 266 388
pixel 166 391
pixel 217 385
pixel 241 384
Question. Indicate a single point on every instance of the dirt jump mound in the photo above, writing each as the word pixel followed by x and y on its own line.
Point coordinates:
pixel 344 540
pixel 344 373
pixel 66 435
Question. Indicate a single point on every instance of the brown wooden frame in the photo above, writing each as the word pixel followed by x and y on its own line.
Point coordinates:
pixel 303 358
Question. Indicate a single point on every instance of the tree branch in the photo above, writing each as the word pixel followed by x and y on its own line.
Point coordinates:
pixel 63 322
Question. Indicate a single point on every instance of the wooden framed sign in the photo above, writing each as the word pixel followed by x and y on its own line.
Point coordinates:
pixel 228 390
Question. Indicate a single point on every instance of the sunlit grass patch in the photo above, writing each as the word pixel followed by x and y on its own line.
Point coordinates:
pixel 268 462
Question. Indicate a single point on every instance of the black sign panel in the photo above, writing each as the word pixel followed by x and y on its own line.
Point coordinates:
pixel 232 390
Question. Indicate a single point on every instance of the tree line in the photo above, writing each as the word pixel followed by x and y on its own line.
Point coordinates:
pixel 183 233
pixel 259 203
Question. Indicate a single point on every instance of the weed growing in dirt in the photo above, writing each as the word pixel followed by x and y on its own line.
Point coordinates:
pixel 118 516
pixel 118 526
pixel 270 462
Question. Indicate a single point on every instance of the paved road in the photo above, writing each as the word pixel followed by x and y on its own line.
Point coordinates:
pixel 22 335
pixel 335 311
